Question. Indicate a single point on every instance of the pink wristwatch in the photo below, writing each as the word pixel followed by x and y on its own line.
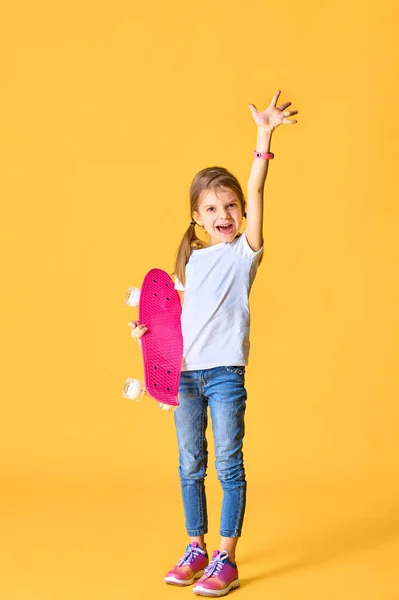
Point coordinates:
pixel 266 155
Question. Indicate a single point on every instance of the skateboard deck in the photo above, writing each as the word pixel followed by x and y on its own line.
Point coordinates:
pixel 162 345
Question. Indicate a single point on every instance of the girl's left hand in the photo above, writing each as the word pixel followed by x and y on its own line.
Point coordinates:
pixel 273 116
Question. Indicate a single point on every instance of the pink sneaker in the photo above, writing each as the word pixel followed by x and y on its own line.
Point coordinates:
pixel 190 567
pixel 219 578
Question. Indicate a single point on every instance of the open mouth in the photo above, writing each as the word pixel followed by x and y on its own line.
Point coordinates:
pixel 225 229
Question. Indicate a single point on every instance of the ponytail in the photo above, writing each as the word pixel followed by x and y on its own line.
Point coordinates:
pixel 190 241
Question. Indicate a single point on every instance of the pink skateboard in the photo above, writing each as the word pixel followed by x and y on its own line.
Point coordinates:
pixel 162 344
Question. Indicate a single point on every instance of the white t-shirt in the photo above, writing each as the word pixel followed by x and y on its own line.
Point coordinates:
pixel 215 317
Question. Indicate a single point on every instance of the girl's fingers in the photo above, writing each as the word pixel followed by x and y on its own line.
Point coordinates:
pixel 289 113
pixel 136 325
pixel 275 98
pixel 273 103
pixel 138 330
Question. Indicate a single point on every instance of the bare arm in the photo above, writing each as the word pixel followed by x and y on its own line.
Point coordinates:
pixel 267 121
pixel 255 188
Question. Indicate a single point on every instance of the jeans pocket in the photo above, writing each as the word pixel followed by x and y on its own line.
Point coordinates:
pixel 239 370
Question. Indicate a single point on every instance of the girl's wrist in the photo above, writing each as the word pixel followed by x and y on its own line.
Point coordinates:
pixel 264 132
pixel 263 140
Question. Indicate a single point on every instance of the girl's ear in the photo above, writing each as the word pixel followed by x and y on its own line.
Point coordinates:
pixel 196 218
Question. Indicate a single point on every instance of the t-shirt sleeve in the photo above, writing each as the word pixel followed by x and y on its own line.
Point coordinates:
pixel 178 285
pixel 244 249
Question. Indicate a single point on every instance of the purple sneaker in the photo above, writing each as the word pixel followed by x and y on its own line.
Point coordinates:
pixel 190 567
pixel 219 578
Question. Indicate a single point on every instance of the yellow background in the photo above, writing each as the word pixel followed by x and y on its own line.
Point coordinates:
pixel 107 112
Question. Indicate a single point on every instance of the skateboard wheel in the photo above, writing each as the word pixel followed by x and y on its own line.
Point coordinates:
pixel 133 389
pixel 132 296
pixel 167 407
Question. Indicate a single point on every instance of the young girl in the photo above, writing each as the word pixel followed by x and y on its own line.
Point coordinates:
pixel 215 279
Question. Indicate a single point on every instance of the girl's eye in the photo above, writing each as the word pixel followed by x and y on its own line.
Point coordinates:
pixel 211 207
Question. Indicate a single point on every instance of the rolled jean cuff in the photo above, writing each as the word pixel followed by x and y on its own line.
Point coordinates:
pixel 232 534
pixel 196 532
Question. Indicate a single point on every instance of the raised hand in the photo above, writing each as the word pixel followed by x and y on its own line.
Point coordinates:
pixel 273 116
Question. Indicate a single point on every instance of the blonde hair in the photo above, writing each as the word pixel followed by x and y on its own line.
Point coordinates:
pixel 209 179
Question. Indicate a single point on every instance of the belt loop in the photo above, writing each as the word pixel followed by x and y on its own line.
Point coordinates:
pixel 203 379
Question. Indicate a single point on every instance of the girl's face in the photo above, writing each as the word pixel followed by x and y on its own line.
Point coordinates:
pixel 220 214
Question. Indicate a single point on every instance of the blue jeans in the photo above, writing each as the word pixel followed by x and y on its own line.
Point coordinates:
pixel 223 389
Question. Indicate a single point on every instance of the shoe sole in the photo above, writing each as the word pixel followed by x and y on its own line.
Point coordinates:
pixel 183 582
pixel 200 591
